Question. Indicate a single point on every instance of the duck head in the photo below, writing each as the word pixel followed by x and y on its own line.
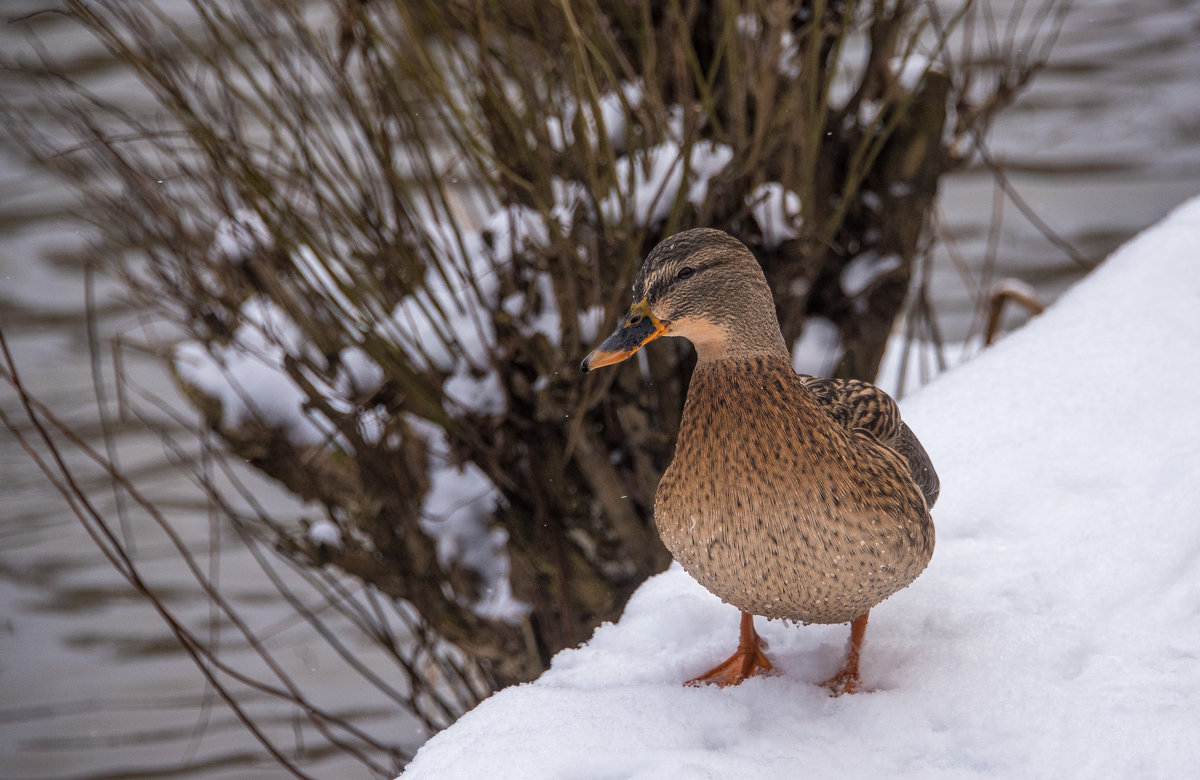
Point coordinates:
pixel 703 285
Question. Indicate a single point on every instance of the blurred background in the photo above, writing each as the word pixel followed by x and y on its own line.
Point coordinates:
pixel 92 683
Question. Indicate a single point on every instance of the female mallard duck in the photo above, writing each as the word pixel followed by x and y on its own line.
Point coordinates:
pixel 789 496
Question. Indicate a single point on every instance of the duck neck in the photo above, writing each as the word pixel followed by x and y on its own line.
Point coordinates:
pixel 728 347
pixel 750 332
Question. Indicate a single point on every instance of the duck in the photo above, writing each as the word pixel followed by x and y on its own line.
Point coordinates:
pixel 789 496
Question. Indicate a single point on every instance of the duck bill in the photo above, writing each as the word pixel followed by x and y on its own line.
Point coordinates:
pixel 639 328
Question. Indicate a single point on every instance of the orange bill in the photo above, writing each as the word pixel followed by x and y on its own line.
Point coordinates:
pixel 639 328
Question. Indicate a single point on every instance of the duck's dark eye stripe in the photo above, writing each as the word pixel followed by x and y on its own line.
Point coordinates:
pixel 665 283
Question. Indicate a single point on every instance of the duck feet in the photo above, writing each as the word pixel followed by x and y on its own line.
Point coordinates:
pixel 845 681
pixel 848 680
pixel 747 661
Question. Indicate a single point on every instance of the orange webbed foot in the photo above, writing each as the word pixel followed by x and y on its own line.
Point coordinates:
pixel 848 679
pixel 747 661
pixel 845 682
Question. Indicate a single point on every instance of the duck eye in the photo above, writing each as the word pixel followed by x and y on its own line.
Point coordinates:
pixel 685 272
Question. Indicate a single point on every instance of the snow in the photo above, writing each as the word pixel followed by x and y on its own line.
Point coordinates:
pixel 791 60
pixel 861 273
pixel 512 229
pixel 649 180
pixel 819 347
pixel 359 374
pixel 910 70
pixel 249 379
pixel 1055 634
pixel 240 235
pixel 612 118
pixel 482 394
pixel 547 321
pixel 455 514
pixel 248 376
pixel 776 209
pixel 591 320
pixel 328 279
pixel 325 532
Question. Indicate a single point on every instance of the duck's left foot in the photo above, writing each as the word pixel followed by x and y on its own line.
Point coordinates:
pixel 747 661
pixel 848 680
pixel 845 681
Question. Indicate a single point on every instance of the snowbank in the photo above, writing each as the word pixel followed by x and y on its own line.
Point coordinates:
pixel 1055 634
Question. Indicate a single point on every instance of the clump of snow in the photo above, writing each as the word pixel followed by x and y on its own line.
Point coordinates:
pixel 705 160
pixel 910 70
pixel 547 321
pixel 249 379
pixel 417 326
pixel 446 325
pixel 1055 633
pixel 248 376
pixel 819 347
pixel 791 63
pixel 748 25
pixel 864 270
pixel 325 532
pixel 456 514
pixel 776 209
pixel 513 229
pixel 359 374
pixel 591 320
pixel 483 394
pixel 612 117
pixel 648 181
pixel 240 235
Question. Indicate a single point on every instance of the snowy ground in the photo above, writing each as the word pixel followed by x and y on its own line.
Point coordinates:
pixel 1055 634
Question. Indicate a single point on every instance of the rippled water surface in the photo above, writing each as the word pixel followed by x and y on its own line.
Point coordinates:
pixel 91 682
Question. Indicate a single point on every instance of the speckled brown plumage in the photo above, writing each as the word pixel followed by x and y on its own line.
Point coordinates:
pixel 782 510
pixel 854 404
pixel 789 496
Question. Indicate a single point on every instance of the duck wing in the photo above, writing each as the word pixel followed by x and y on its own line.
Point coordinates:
pixel 862 407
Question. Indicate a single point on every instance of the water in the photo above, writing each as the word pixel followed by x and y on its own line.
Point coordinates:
pixel 1105 143
pixel 91 682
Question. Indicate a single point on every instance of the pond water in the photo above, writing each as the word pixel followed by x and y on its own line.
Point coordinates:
pixel 93 685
